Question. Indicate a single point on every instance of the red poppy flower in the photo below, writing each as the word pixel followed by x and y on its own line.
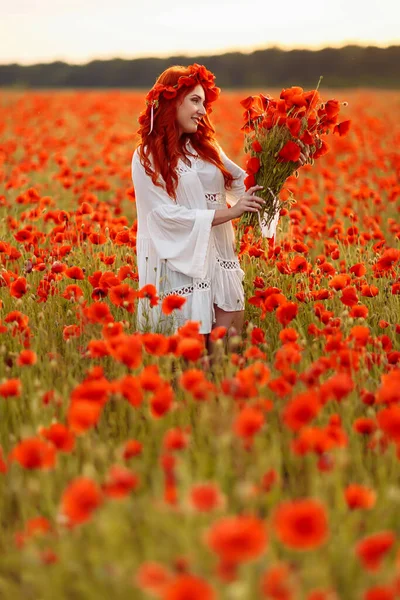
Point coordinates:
pixel 298 265
pixel 98 349
pixel 342 128
pixel 349 296
pixel 120 482
pixel 37 526
pixel 111 329
pixel 380 592
pixel 218 333
pixel 58 267
pixel 237 539
pixel 288 335
pixel 71 331
pixel 307 138
pixel 188 587
pixel 248 422
pixel 19 287
pixel 122 295
pixel 194 381
pixel 26 358
pixel 257 336
pixel 72 292
pixel 290 152
pixel 161 401
pixel 150 292
pixel 172 302
pixel 332 108
pixel 150 378
pixel 286 312
pixel 205 497
pixel 389 258
pixel 360 334
pixel 359 496
pixel 97 238
pixel 301 410
pixel 249 181
pixel 372 549
pixel 127 349
pixel 389 390
pixel 322 149
pixel 277 583
pixel 190 348
pixel 339 281
pixel 18 319
pixel 82 415
pixel 98 313
pixel 24 235
pixel 75 273
pixel 155 343
pixel 59 435
pixel 364 425
pixel 175 439
pixel 389 421
pixel 153 577
pixel 301 524
pixel 359 269
pixel 256 146
pixel 253 165
pixel 3 464
pixel 80 499
pixel 11 387
pixel 294 126
pixel 369 291
pixel 359 311
pixel 132 448
pixel 34 453
pixel 247 102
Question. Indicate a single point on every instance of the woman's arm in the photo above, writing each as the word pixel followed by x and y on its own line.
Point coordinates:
pixel 246 203
pixel 224 215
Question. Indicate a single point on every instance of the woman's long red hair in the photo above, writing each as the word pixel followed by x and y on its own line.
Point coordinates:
pixel 164 144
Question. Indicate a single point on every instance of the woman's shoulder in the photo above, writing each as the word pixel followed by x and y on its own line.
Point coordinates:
pixel 136 154
pixel 137 161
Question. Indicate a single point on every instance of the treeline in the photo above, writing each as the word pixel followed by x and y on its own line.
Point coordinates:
pixel 351 66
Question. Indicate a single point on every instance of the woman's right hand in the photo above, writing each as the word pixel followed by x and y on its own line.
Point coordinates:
pixel 248 202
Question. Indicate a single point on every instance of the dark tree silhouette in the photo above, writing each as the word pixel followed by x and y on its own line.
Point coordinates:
pixel 351 66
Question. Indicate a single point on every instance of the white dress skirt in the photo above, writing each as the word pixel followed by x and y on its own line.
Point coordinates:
pixel 178 249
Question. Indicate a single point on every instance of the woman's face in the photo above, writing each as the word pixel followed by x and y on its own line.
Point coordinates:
pixel 191 111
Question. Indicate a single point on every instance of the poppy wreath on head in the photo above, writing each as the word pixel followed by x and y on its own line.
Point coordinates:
pixel 198 74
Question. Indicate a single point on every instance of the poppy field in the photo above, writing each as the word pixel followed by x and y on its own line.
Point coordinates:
pixel 133 467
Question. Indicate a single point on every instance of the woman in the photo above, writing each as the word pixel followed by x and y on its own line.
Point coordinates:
pixel 182 179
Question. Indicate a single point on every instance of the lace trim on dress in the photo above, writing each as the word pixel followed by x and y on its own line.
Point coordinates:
pixel 230 265
pixel 186 290
pixel 217 198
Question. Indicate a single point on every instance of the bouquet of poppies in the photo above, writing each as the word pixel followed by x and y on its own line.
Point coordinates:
pixel 276 133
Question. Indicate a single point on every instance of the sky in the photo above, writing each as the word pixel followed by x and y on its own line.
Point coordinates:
pixel 77 31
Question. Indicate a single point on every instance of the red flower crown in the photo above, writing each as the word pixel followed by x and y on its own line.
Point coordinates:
pixel 198 73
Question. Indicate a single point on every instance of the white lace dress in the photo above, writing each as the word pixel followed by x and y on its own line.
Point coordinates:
pixel 178 249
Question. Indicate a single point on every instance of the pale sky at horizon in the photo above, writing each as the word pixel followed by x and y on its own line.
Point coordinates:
pixel 78 31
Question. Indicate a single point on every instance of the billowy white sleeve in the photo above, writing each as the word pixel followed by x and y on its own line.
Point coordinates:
pixel 238 187
pixel 179 234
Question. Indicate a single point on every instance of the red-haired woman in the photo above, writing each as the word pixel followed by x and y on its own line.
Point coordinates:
pixel 182 179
